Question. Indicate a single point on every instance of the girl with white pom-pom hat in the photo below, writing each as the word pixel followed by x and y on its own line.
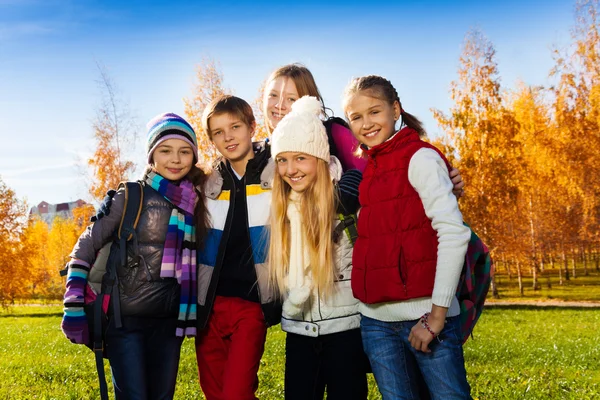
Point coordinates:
pixel 311 270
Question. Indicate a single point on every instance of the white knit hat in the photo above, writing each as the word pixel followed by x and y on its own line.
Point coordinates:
pixel 302 131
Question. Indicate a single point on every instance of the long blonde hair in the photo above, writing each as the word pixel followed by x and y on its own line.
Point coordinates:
pixel 317 213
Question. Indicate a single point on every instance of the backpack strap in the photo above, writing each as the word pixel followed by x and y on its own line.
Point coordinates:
pixel 134 197
pixel 347 224
pixel 98 346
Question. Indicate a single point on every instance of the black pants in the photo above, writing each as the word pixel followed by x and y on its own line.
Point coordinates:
pixel 336 361
pixel 144 358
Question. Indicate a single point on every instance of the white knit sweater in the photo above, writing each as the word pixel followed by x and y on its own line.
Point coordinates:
pixel 428 174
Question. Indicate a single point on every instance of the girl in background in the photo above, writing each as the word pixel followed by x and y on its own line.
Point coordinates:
pixel 290 82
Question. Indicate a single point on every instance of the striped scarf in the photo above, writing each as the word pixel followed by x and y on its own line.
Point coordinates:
pixel 179 254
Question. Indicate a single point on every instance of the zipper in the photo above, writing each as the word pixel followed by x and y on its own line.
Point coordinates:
pixel 365 263
pixel 148 274
pixel 223 242
pixel 402 262
pixel 318 300
pixel 250 243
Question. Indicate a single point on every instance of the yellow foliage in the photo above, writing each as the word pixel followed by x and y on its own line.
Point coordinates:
pixel 112 131
pixel 13 271
pixel 529 157
pixel 82 215
pixel 208 86
pixel 108 168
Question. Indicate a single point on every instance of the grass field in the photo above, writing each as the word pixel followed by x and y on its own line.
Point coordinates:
pixel 517 353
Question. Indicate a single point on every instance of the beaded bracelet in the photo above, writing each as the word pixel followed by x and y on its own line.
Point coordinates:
pixel 425 325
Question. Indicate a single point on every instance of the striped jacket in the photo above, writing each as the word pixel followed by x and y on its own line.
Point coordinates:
pixel 210 259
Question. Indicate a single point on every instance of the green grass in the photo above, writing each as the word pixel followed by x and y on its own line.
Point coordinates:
pixel 518 353
pixel 581 288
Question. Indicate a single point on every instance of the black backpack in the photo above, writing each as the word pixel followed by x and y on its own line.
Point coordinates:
pixel 103 279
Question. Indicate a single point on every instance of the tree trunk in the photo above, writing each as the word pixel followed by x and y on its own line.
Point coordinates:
pixel 560 275
pixel 507 265
pixel 565 264
pixel 534 270
pixel 573 262
pixel 584 256
pixel 520 278
pixel 495 294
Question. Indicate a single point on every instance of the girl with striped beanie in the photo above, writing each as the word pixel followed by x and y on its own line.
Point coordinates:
pixel 157 287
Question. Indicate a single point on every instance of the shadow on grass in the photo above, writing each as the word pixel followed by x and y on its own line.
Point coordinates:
pixel 32 315
pixel 553 307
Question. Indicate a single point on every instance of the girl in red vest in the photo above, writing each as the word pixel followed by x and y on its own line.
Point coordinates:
pixel 410 250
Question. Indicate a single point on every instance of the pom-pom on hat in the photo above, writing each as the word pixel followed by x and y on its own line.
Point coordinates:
pixel 302 131
pixel 169 126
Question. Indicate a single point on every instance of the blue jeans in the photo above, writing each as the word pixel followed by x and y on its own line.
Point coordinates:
pixel 396 364
pixel 144 358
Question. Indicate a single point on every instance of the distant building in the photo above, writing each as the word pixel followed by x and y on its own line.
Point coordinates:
pixel 47 212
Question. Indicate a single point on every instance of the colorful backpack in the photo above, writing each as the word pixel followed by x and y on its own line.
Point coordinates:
pixel 343 144
pixel 474 284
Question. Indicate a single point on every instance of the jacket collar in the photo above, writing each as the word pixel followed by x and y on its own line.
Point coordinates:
pixel 400 138
pixel 255 167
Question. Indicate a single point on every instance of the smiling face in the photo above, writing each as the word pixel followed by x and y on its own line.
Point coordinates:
pixel 232 137
pixel 372 120
pixel 280 94
pixel 173 159
pixel 299 170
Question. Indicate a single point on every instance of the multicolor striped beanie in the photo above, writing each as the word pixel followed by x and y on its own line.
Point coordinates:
pixel 169 126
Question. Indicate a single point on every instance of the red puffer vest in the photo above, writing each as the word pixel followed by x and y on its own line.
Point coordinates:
pixel 395 255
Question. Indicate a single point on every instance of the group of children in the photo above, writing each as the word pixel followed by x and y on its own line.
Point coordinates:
pixel 263 238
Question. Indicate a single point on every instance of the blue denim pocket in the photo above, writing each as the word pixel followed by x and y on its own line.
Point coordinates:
pixel 449 336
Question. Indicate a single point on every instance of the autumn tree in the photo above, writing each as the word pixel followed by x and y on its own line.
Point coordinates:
pixel 114 133
pixel 82 215
pixel 529 156
pixel 536 175
pixel 62 237
pixel 482 132
pixel 261 132
pixel 13 271
pixel 576 125
pixel 208 85
pixel 36 248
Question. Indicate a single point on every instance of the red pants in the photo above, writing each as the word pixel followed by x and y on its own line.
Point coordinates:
pixel 229 349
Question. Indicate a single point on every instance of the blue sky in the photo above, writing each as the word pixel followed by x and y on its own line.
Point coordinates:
pixel 49 50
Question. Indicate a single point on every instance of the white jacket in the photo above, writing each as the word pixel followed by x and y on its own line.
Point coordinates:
pixel 340 312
